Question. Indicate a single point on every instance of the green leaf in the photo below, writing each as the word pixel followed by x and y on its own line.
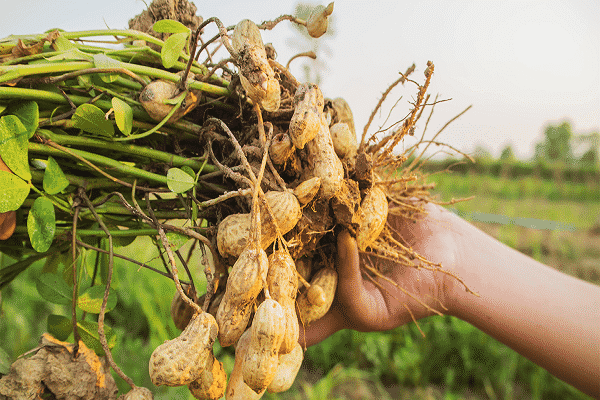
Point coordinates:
pixel 89 334
pixel 13 191
pixel 73 54
pixel 91 300
pixel 92 119
pixel 13 145
pixel 172 48
pixel 29 114
pixel 55 180
pixel 188 170
pixel 101 60
pixel 61 43
pixel 53 288
pixel 59 326
pixel 41 224
pixel 123 115
pixel 170 26
pixel 4 362
pixel 179 181
pixel 176 240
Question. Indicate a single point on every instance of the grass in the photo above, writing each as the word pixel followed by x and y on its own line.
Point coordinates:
pixel 453 361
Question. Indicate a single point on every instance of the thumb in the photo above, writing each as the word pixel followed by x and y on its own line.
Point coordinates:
pixel 351 291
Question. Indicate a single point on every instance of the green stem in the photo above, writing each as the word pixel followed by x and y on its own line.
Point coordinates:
pixel 114 32
pixel 10 72
pixel 100 161
pixel 155 155
pixel 58 203
pixel 88 183
pixel 120 210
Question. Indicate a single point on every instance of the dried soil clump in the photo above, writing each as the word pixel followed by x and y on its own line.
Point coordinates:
pixel 177 10
pixel 53 371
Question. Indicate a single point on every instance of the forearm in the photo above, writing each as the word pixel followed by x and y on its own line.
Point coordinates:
pixel 547 316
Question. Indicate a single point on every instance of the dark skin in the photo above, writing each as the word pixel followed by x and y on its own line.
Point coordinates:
pixel 545 315
pixel 365 306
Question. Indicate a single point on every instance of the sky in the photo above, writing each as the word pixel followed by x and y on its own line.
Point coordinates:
pixel 521 64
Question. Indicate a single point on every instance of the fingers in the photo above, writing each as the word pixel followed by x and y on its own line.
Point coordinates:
pixel 362 305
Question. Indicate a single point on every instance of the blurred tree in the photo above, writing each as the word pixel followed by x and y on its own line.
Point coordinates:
pixel 556 146
pixel 482 153
pixel 507 154
pixel 312 69
pixel 591 157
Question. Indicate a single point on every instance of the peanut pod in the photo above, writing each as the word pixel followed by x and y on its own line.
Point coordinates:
pixel 236 388
pixel 268 329
pixel 324 163
pixel 234 230
pixel 308 110
pixel 344 141
pixel 306 191
pixel 283 287
pixel 256 75
pixel 211 383
pixel 243 286
pixel 317 21
pixel 289 365
pixel 326 280
pixel 180 361
pixel 374 210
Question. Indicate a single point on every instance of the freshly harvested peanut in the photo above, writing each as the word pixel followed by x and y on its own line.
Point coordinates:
pixel 289 365
pixel 324 163
pixel 343 114
pixel 374 211
pixel 211 383
pixel 236 388
pixel 307 190
pixel 326 279
pixel 281 148
pixel 138 393
pixel 304 268
pixel 234 230
pixel 243 286
pixel 316 295
pixel 317 22
pixel 308 111
pixel 283 287
pixel 268 329
pixel 344 141
pixel 256 75
pixel 179 361
pixel 181 312
pixel 155 100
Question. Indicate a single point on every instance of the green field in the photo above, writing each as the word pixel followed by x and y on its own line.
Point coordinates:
pixel 453 361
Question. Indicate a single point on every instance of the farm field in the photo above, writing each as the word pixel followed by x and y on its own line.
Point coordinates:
pixel 453 361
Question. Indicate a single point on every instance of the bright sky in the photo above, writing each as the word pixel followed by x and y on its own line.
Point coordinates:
pixel 521 64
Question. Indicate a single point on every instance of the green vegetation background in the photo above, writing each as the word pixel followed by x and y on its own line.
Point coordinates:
pixel 453 361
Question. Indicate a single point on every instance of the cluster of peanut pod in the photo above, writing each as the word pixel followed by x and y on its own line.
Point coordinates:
pixel 269 297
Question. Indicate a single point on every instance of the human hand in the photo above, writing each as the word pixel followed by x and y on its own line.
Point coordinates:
pixel 407 294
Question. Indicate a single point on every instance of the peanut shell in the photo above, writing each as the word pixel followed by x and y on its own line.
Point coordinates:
pixel 289 365
pixel 236 388
pixel 374 210
pixel 326 279
pixel 243 286
pixel 179 361
pixel 260 363
pixel 283 287
pixel 234 230
pixel 211 383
